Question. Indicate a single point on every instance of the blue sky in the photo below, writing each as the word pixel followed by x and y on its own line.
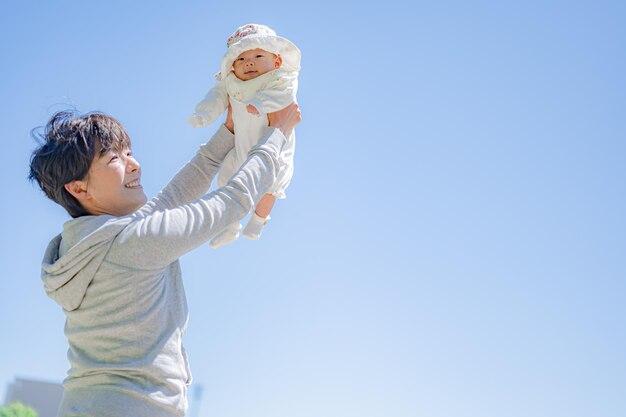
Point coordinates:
pixel 453 241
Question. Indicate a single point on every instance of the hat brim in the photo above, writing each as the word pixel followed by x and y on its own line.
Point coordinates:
pixel 274 44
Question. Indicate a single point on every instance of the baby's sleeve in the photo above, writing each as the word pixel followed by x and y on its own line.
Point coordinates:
pixel 211 107
pixel 279 92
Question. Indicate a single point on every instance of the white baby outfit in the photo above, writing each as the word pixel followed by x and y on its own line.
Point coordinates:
pixel 268 93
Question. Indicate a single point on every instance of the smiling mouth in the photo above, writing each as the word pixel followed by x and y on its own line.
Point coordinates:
pixel 133 184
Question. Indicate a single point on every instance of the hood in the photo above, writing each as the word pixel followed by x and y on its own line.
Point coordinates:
pixel 73 257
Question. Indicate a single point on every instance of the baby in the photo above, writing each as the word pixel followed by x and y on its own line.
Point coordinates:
pixel 259 75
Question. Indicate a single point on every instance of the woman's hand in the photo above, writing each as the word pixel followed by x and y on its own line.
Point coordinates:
pixel 230 125
pixel 286 119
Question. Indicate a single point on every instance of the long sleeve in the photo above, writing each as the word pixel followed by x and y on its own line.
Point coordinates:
pixel 194 179
pixel 163 236
pixel 211 107
pixel 279 92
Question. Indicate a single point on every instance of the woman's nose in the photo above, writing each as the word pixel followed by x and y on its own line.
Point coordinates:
pixel 132 165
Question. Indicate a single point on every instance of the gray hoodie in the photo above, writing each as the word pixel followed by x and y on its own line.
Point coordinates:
pixel 118 280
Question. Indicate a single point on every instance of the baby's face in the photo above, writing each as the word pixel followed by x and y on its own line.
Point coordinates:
pixel 254 62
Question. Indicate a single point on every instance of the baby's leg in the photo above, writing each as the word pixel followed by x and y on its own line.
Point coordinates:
pixel 265 205
pixel 260 217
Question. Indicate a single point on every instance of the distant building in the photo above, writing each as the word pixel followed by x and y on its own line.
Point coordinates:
pixel 44 397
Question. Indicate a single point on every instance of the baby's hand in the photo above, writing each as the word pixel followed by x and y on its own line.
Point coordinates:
pixel 252 110
pixel 196 120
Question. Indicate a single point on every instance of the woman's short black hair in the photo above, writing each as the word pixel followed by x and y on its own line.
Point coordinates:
pixel 68 145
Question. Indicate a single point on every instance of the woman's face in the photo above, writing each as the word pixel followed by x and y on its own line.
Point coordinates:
pixel 113 184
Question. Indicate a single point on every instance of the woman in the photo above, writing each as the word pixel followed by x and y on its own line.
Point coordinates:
pixel 114 269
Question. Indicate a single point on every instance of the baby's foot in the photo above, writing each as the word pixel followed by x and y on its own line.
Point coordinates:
pixel 226 236
pixel 255 226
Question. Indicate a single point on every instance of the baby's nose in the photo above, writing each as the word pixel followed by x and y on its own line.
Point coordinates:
pixel 249 63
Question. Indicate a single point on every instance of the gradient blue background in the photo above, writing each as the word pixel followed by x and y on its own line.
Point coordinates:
pixel 453 241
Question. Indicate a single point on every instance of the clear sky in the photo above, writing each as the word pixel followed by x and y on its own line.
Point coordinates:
pixel 453 241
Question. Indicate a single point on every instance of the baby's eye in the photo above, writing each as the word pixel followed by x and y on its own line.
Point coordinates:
pixel 259 56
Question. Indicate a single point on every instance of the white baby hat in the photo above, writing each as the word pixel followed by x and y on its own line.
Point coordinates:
pixel 253 36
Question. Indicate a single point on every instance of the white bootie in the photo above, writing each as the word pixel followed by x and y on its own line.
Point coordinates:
pixel 226 236
pixel 255 226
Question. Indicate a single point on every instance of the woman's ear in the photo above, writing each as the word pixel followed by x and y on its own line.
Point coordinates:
pixel 278 62
pixel 78 189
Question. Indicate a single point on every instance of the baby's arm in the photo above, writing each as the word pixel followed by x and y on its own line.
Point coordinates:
pixel 278 94
pixel 211 107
